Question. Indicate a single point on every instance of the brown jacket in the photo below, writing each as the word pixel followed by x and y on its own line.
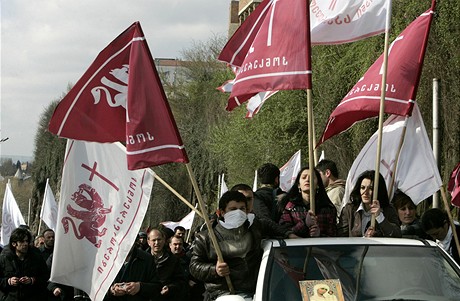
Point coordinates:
pixel 350 223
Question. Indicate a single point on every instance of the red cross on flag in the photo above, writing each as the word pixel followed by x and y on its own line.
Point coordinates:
pixel 101 209
pixel 120 98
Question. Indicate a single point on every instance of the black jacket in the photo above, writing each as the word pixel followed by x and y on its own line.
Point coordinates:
pixel 171 274
pixel 140 268
pixel 241 251
pixel 266 211
pixel 264 202
pixel 32 266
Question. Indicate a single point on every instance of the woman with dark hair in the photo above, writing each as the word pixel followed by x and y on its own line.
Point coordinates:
pixel 356 216
pixel 407 214
pixel 295 208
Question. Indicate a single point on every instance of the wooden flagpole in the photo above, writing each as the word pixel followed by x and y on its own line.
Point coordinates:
pixel 382 109
pixel 211 233
pixel 176 193
pixel 219 192
pixel 166 185
pixel 311 161
pixel 401 142
pixel 310 151
pixel 315 151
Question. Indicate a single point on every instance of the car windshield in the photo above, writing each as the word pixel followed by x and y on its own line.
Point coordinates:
pixel 371 272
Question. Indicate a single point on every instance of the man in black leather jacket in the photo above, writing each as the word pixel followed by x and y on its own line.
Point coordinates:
pixel 239 241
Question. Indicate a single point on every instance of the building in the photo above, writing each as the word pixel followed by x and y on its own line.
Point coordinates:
pixel 239 11
pixel 170 70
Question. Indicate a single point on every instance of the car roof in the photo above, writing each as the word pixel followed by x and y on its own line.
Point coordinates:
pixel 269 243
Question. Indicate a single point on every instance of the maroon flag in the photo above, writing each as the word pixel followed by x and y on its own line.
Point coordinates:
pixel 274 52
pixel 454 186
pixel 405 61
pixel 120 98
pixel 239 44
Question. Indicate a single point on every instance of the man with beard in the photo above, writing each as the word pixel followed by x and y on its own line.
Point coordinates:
pixel 47 248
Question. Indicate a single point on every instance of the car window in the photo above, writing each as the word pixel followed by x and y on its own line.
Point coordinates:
pixel 375 272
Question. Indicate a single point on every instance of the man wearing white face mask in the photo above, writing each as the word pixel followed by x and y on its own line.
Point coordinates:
pixel 239 241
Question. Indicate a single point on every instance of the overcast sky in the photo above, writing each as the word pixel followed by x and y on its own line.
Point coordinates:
pixel 47 44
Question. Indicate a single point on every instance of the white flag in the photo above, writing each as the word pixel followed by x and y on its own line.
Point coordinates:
pixel 101 209
pixel 11 215
pixel 338 22
pixel 186 222
pixel 223 186
pixel 254 103
pixel 322 156
pixel 289 171
pixel 49 210
pixel 417 174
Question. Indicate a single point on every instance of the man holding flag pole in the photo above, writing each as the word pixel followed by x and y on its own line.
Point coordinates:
pixel 107 105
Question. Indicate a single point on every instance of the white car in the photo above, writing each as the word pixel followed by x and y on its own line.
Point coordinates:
pixel 358 268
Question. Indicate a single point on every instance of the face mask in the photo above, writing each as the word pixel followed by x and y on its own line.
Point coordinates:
pixel 234 219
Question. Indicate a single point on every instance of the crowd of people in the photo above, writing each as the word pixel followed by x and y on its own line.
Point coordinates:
pixel 163 265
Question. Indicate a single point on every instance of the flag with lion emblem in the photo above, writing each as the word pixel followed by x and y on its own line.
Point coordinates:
pixel 120 98
pixel 102 205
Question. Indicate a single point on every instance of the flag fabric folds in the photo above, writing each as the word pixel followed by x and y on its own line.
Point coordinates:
pixel 186 222
pixel 120 98
pixel 405 61
pixel 101 209
pixel 254 103
pixel 338 22
pixel 49 210
pixel 417 174
pixel 333 22
pixel 11 215
pixel 271 50
pixel 289 171
pixel 454 186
